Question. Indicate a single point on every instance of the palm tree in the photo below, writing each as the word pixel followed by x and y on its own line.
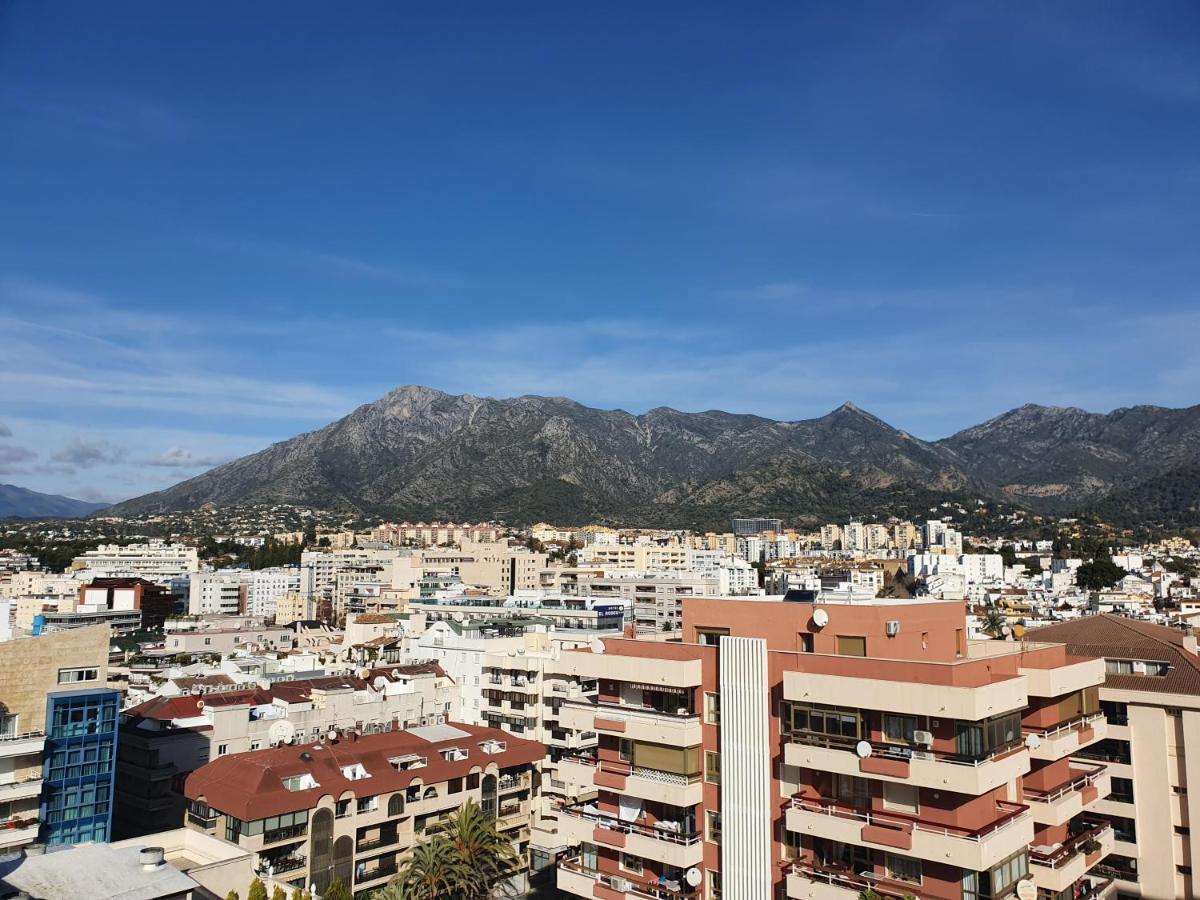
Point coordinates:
pixel 433 870
pixel 994 622
pixel 487 855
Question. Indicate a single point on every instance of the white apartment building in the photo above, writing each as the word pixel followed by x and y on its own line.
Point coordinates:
pixel 220 593
pixel 638 557
pixel 264 587
pixel 156 561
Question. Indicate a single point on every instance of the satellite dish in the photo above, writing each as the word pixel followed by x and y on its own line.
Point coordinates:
pixel 693 876
pixel 820 618
pixel 596 645
pixel 459 617
pixel 863 749
pixel 1033 741
pixel 1026 889
pixel 281 731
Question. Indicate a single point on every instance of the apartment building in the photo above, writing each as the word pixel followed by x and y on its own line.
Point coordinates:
pixel 1151 697
pixel 638 557
pixel 216 593
pixel 165 738
pixel 756 525
pixel 156 560
pixel 351 807
pixel 57 740
pixel 827 750
pixel 433 534
pixel 151 600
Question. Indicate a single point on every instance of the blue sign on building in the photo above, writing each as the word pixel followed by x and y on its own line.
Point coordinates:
pixel 80 765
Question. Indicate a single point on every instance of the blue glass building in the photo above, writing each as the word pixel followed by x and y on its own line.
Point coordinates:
pixel 80 765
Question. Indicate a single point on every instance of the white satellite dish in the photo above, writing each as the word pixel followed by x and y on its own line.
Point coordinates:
pixel 596 645
pixel 459 617
pixel 1027 889
pixel 364 674
pixel 693 877
pixel 863 749
pixel 281 731
pixel 1033 741
pixel 820 618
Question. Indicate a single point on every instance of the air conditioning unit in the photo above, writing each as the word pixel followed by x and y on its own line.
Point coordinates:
pixel 893 628
pixel 924 738
pixel 622 885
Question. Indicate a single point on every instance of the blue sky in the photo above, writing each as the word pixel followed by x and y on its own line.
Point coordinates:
pixel 226 223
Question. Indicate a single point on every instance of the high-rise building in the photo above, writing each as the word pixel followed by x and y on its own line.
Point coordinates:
pixel 834 750
pixel 80 765
pixel 756 526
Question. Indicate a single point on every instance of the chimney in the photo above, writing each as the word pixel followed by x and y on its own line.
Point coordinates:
pixel 151 858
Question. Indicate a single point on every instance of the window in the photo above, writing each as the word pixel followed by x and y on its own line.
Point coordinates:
pixel 73 676
pixel 714 884
pixel 806 642
pixel 367 804
pixel 631 863
pixel 625 749
pixel 222 749
pixel 1174 712
pixel 997 881
pixel 903 868
pixel 712 767
pixel 342 809
pixel 712 708
pixel 901 797
pixel 1116 713
pixel 711 637
pixel 1122 790
pixel 852 791
pixel 817 719
pixel 899 729
pixel 712 826
pixel 849 645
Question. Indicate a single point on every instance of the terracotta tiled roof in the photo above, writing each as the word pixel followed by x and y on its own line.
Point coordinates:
pixel 249 786
pixel 164 709
pixel 376 619
pixel 1117 637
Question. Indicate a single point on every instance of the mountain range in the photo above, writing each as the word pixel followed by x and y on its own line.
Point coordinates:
pixel 22 503
pixel 422 454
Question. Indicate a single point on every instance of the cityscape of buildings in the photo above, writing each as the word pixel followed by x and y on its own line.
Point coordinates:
pixel 894 709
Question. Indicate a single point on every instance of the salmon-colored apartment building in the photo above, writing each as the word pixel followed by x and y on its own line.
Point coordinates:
pixel 827 751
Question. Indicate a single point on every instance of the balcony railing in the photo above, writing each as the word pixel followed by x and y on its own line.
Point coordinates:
pixel 666 889
pixel 1010 814
pixel 284 834
pixel 282 864
pixel 1119 873
pixel 860 883
pixel 8 736
pixel 1047 734
pixel 614 767
pixel 658 832
pixel 1066 851
pixel 903 752
pixel 624 709
pixel 204 822
pixel 380 871
pixel 1088 777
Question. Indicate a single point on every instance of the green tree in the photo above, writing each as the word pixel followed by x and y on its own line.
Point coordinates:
pixel 232 895
pixel 487 855
pixel 279 893
pixel 433 869
pixel 1033 565
pixel 337 891
pixel 1008 553
pixel 258 890
pixel 1098 574
pixel 994 622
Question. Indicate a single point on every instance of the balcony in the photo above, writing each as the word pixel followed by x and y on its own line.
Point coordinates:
pixel 1058 868
pixel 512 782
pixel 1063 802
pixel 1068 738
pixel 587 775
pixel 22 744
pixel 17 832
pixel 385 869
pixel 977 849
pixel 575 878
pixel 281 865
pixel 903 765
pixel 579 823
pixel 292 832
pixel 30 786
pixel 811 882
pixel 901 694
pixel 633 722
pixel 648 670
pixel 1061 680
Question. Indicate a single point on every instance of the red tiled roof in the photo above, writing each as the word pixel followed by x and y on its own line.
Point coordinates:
pixel 249 786
pixel 1117 637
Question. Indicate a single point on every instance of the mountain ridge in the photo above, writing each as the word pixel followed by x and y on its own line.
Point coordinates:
pixel 21 503
pixel 419 452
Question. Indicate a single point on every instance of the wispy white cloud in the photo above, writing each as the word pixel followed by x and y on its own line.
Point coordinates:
pixel 179 458
pixel 85 454
pixel 770 292
pixel 328 262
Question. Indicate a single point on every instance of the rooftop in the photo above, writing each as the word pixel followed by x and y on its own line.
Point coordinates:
pixel 89 871
pixel 1117 637
pixel 250 786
